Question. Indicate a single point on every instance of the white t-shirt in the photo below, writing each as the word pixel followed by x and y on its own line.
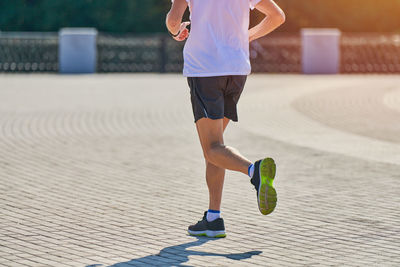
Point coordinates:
pixel 218 42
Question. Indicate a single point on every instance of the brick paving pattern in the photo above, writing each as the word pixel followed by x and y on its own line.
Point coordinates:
pixel 106 170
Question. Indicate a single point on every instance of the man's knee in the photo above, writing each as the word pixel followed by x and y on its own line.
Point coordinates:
pixel 212 150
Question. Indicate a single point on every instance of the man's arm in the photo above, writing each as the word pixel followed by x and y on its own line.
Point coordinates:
pixel 275 17
pixel 174 20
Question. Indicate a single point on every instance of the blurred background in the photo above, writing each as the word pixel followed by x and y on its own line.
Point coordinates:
pixel 132 35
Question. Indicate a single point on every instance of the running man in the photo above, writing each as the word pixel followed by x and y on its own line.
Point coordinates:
pixel 216 64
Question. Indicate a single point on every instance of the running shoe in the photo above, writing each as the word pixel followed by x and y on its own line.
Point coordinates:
pixel 215 228
pixel 263 178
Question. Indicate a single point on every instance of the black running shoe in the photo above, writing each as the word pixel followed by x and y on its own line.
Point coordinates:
pixel 215 228
pixel 263 178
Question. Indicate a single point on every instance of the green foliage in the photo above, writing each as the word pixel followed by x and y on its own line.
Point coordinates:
pixel 141 16
pixel 105 15
pixel 347 15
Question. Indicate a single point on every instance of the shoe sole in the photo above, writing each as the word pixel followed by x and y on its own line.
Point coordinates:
pixel 267 196
pixel 212 234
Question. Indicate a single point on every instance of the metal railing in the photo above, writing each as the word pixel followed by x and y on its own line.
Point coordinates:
pixel 280 52
pixel 28 52
pixel 370 53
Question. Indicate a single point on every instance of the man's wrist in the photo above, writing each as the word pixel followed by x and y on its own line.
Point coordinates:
pixel 174 35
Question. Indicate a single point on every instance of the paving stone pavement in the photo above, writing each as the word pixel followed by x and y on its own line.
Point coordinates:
pixel 106 170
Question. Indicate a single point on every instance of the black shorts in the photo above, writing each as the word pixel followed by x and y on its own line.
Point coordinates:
pixel 216 97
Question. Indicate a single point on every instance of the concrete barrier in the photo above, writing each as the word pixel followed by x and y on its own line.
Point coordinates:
pixel 77 50
pixel 320 51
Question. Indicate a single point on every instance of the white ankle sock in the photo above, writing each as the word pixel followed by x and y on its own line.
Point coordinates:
pixel 212 215
pixel 251 170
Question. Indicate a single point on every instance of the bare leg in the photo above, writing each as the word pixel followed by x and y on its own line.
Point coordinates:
pixel 215 177
pixel 215 180
pixel 211 139
pixel 218 157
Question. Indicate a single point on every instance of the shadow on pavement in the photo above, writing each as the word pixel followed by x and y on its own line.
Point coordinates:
pixel 177 255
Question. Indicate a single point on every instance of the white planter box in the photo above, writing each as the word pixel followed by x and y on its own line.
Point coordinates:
pixel 321 51
pixel 77 50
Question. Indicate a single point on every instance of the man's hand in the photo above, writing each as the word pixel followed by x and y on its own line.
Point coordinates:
pixel 183 32
pixel 174 20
